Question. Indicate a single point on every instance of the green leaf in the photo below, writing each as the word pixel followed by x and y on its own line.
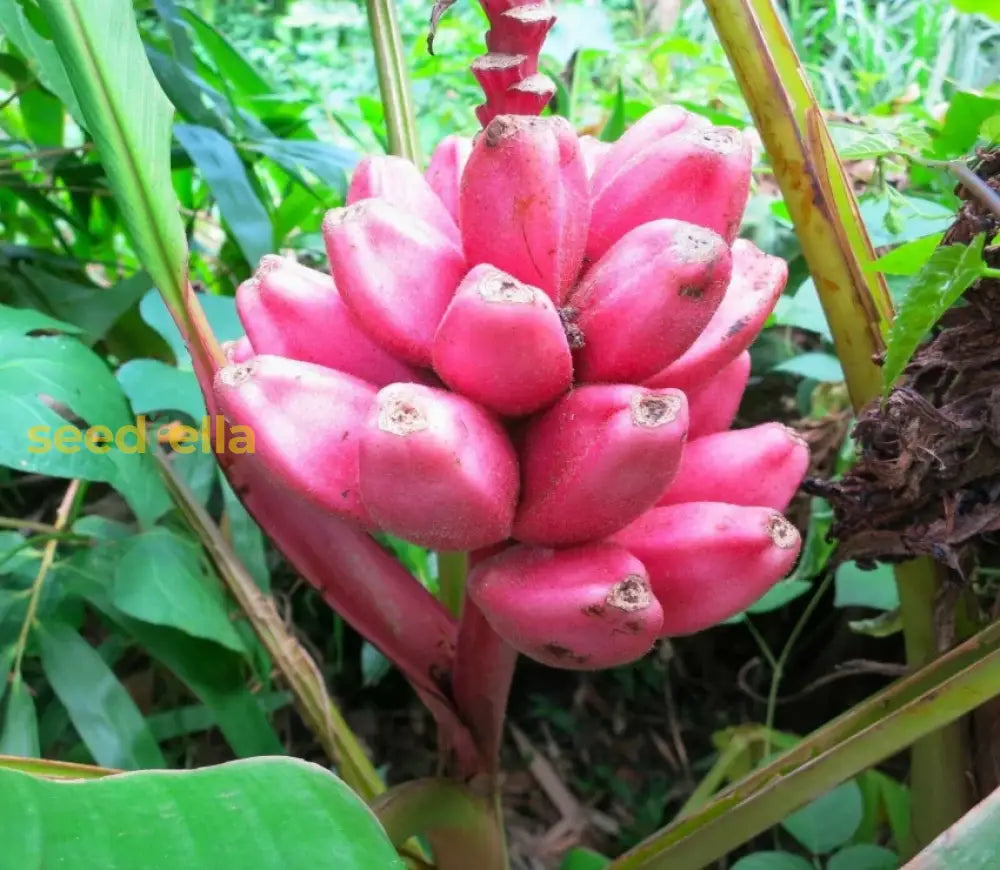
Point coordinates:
pixel 215 675
pixel 102 711
pixel 129 117
pixel 219 310
pixel 34 373
pixel 229 63
pixel 909 258
pixel 94 310
pixel 177 31
pixel 329 163
pixel 226 176
pixel 584 859
pixel 152 385
pixel 772 861
pixel 803 311
pixel 949 272
pixel 779 595
pixel 857 588
pixel 21 321
pixel 615 125
pixel 966 113
pixel 374 665
pixel 19 735
pixel 814 365
pixel 829 821
pixel 7 656
pixel 196 718
pixel 41 53
pixel 161 579
pixel 259 814
pixel 979 7
pixel 246 537
pixel 863 856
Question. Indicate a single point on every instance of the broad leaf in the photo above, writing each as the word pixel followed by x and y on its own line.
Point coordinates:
pixel 855 587
pixel 327 162
pixel 38 372
pixel 238 73
pixel 160 579
pixel 910 257
pixel 772 861
pixel 829 821
pixel 21 321
pixel 814 365
pixel 948 273
pixel 227 178
pixel 259 814
pixel 19 731
pixel 101 710
pixel 129 117
pixel 863 856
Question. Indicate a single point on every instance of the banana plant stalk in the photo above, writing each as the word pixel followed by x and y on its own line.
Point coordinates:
pixel 857 305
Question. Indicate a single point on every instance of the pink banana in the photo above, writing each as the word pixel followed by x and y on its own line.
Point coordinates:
pixel 585 608
pixel 396 273
pixel 761 466
pixel 444 172
pixel 647 299
pixel 596 460
pixel 523 203
pixel 646 133
pixel 306 421
pixel 437 469
pixel 292 311
pixel 502 344
pixel 397 181
pixel 238 351
pixel 712 404
pixel 696 174
pixel 594 151
pixel 708 561
pixel 753 291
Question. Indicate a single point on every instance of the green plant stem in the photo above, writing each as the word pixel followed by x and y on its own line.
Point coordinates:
pixel 909 710
pixel 393 82
pixel 452 570
pixel 854 297
pixel 936 800
pixel 64 514
pixel 465 829
pixel 54 769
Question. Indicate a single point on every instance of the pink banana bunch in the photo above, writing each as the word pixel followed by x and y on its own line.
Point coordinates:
pixel 534 351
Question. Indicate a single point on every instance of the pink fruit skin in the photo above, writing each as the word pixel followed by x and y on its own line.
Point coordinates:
pixel 596 460
pixel 306 422
pixel 395 272
pixel 502 344
pixel 761 466
pixel 398 182
pixel 437 469
pixel 444 172
pixel 712 404
pixel 753 291
pixel 708 561
pixel 584 608
pixel 292 311
pixel 594 151
pixel 696 174
pixel 239 350
pixel 648 131
pixel 524 201
pixel 647 299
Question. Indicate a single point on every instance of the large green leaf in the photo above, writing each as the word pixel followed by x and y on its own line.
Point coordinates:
pixel 259 814
pixel 101 710
pixel 160 579
pixel 129 117
pixel 35 373
pixel 948 273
